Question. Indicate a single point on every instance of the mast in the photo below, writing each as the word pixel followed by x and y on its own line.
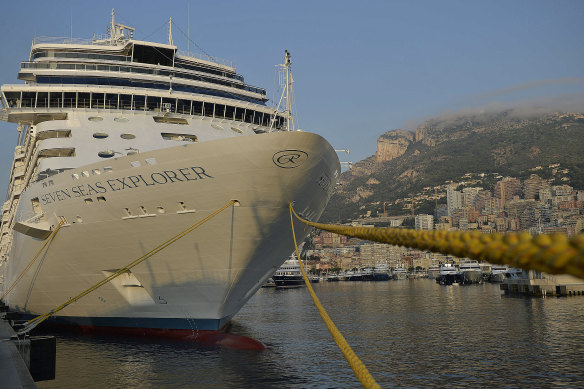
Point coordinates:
pixel 286 83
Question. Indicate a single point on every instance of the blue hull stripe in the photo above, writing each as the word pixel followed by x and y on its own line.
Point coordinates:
pixel 139 322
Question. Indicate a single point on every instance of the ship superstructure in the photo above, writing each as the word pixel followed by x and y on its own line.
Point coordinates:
pixel 126 142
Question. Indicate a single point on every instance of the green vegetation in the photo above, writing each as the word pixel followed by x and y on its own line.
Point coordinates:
pixel 493 143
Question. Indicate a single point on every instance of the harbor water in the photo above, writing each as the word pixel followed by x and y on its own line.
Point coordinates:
pixel 410 333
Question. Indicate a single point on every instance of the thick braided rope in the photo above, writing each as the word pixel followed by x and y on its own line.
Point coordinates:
pixel 358 367
pixel 554 254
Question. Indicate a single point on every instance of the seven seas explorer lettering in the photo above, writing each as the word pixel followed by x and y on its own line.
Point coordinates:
pixel 130 182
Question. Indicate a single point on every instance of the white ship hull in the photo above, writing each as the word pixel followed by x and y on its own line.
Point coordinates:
pixel 115 217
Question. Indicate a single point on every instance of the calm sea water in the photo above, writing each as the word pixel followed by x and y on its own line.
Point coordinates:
pixel 411 333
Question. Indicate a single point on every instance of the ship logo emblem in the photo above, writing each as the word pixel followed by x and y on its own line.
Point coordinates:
pixel 289 159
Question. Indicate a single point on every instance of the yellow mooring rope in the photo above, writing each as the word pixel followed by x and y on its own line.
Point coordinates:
pixel 554 254
pixel 31 324
pixel 358 367
pixel 33 260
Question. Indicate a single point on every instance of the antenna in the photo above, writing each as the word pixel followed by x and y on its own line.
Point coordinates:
pixel 170 31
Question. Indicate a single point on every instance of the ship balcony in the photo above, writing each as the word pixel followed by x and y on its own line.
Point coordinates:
pixel 18 171
pixel 56 164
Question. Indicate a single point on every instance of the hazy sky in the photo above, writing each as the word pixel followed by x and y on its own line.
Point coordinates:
pixel 360 67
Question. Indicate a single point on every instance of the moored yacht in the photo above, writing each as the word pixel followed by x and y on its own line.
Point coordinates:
pixel 470 272
pixel 123 144
pixel 448 275
pixel 399 273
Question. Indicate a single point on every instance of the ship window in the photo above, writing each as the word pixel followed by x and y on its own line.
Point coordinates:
pixel 237 130
pixel 79 220
pixel 42 99
pixel 101 199
pixel 239 114
pixel 28 99
pixel 83 101
pixel 150 161
pixel 139 103
pixel 208 109
pixel 219 111
pixel 97 100
pixel 179 137
pixel 127 212
pixel 183 106
pixel 88 201
pixel 75 176
pixel 111 101
pixel 229 112
pixel 135 164
pixel 216 126
pixel 170 120
pixel 100 135
pixel 106 154
pixel 197 108
pixel 153 55
pixel 128 136
pixel 95 172
pixel 55 99
pixel 69 99
pixel 85 173
pixel 153 104
pixel 125 102
pixel 168 105
pixel 160 209
pixel 107 169
pixel 121 120
pixel 95 118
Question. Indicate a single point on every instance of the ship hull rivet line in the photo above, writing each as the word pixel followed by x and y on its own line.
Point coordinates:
pixel 358 367
pixel 31 324
pixel 33 260
pixel 553 254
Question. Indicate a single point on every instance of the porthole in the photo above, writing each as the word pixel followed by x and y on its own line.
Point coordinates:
pixel 121 120
pixel 106 154
pixel 128 136
pixel 95 118
pixel 237 130
pixel 100 135
pixel 216 126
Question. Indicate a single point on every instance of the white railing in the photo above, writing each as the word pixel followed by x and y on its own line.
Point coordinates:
pixel 74 41
pixel 207 58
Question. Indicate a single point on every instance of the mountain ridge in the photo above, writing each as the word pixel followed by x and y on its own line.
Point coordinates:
pixel 443 150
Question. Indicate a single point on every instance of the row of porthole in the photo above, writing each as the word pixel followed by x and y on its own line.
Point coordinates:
pixel 103 135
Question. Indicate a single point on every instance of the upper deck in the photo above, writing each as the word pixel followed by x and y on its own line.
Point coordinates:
pixel 118 59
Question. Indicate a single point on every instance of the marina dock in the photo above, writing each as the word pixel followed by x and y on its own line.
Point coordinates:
pixel 13 369
pixel 24 359
pixel 544 285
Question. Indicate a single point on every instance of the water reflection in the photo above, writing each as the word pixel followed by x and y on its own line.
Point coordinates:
pixel 408 333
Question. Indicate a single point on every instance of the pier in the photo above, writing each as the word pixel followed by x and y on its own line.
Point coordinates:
pixel 544 285
pixel 24 359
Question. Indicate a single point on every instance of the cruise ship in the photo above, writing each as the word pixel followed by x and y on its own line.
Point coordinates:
pixel 123 144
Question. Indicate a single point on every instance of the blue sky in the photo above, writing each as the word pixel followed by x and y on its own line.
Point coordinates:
pixel 360 67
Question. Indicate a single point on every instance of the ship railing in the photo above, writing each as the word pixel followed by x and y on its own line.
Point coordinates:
pixel 207 58
pixel 74 41
pixel 130 69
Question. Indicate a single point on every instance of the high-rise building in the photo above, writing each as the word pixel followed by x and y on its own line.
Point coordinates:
pixel 507 188
pixel 424 222
pixel 532 186
pixel 453 199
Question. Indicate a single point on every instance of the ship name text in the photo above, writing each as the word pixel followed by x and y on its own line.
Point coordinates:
pixel 192 173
